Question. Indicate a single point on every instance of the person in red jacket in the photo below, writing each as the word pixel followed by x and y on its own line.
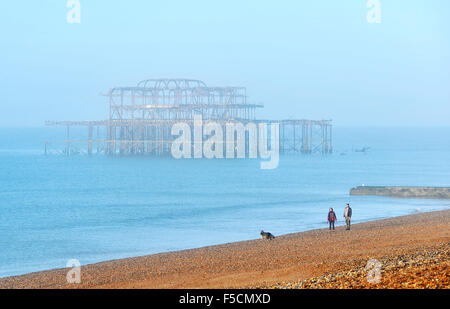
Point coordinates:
pixel 332 218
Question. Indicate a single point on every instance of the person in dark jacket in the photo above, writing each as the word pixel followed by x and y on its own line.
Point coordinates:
pixel 332 218
pixel 348 216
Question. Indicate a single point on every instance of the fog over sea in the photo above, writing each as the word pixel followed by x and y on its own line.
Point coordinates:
pixel 55 208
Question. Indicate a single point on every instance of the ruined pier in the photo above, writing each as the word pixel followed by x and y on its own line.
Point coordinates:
pixel 141 117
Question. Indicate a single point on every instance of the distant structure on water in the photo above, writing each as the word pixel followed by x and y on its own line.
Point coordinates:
pixel 141 118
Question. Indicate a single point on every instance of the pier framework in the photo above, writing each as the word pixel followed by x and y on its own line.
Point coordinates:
pixel 141 118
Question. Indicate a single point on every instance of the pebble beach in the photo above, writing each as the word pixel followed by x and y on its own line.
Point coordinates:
pixel 412 251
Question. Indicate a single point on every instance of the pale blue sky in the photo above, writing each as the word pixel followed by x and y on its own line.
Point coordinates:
pixel 302 59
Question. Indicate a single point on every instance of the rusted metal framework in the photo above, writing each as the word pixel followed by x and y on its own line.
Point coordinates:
pixel 179 99
pixel 141 118
pixel 306 136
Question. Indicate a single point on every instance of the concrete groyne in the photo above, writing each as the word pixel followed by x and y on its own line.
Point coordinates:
pixel 405 192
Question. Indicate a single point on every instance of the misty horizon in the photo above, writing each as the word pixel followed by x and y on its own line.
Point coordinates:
pixel 300 60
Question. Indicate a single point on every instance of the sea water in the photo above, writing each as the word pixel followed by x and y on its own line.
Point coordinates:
pixel 55 208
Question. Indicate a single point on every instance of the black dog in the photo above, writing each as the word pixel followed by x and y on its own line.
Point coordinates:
pixel 267 235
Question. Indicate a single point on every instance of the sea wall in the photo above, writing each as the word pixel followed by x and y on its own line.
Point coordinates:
pixel 406 192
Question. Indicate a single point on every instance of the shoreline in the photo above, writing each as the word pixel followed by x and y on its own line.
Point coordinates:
pixel 339 224
pixel 243 264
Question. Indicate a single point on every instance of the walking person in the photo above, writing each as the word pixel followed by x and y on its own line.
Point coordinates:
pixel 332 218
pixel 348 216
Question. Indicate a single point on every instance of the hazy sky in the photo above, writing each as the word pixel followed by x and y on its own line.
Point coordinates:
pixel 301 59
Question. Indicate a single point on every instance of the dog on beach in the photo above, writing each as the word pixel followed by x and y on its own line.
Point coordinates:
pixel 266 235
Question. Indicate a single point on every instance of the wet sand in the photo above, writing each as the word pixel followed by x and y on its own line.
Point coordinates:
pixel 286 261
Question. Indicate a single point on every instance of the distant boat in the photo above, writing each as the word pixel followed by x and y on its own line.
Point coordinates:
pixel 364 149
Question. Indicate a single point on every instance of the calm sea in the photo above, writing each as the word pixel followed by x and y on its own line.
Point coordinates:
pixel 56 208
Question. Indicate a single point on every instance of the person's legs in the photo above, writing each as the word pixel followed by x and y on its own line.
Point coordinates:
pixel 330 225
pixel 333 225
pixel 348 222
